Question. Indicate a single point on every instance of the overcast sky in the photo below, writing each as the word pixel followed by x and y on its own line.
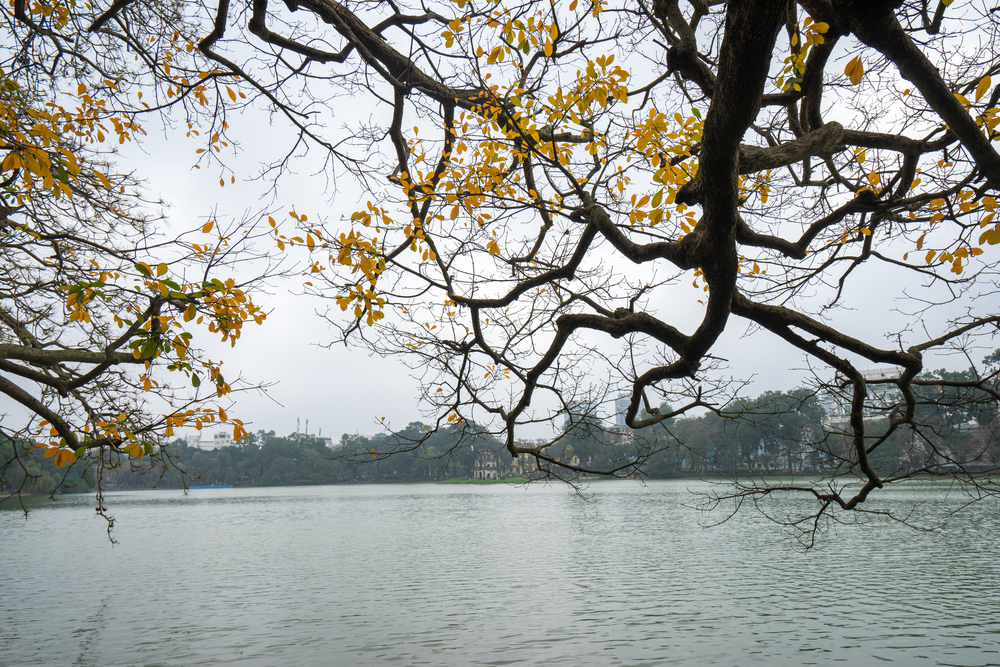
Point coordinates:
pixel 341 390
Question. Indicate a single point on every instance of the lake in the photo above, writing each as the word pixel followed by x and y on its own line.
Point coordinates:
pixel 487 575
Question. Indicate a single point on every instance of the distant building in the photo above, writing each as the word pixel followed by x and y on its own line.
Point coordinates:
pixel 487 465
pixel 883 394
pixel 219 440
pixel 621 407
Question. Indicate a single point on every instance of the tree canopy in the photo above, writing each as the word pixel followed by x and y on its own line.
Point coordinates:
pixel 544 181
pixel 99 304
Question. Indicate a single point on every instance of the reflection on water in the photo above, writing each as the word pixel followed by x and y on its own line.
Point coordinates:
pixel 472 575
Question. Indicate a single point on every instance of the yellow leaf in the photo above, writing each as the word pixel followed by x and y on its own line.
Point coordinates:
pixel 64 455
pixel 855 70
pixel 11 162
pixel 494 55
pixel 232 95
pixel 984 85
pixel 207 227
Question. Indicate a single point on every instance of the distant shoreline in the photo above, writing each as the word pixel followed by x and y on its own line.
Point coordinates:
pixel 505 480
pixel 6 500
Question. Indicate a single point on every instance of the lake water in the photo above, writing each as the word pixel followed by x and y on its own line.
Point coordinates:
pixel 485 575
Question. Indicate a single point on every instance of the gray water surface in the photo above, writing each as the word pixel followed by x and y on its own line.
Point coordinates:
pixel 486 575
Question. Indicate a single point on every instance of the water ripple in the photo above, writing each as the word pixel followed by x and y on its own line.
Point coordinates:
pixel 433 575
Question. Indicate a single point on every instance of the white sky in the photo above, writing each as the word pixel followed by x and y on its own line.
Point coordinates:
pixel 342 390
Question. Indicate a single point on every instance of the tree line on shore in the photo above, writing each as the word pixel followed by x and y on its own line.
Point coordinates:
pixel 775 433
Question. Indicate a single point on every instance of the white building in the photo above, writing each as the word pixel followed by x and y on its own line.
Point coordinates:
pixel 487 465
pixel 219 440
pixel 883 394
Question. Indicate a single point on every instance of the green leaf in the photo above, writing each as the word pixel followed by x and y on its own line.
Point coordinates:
pixel 195 381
